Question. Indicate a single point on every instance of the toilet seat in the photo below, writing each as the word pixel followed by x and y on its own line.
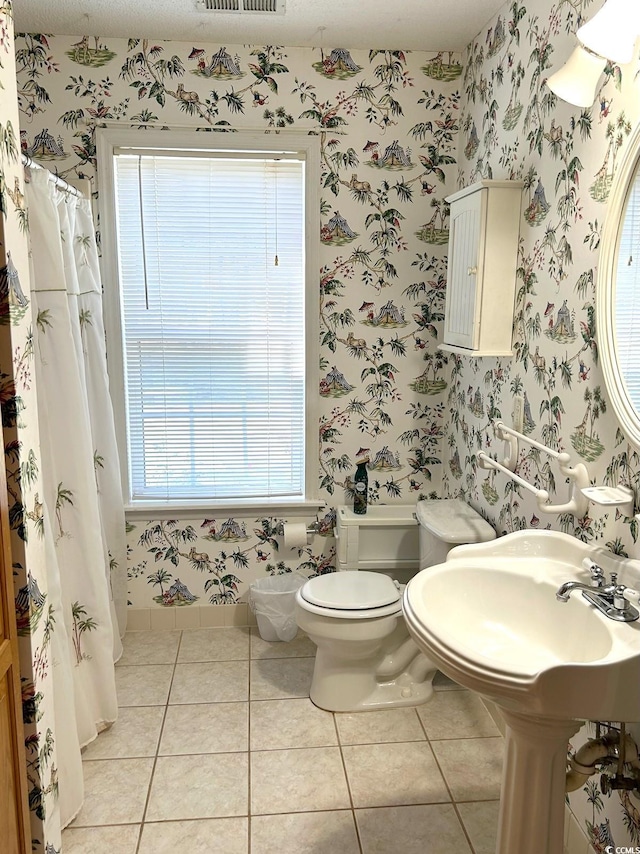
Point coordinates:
pixel 351 595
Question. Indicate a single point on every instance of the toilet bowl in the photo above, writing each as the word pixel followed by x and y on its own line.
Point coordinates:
pixel 365 657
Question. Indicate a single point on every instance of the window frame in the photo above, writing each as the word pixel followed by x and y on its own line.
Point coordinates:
pixel 621 189
pixel 108 141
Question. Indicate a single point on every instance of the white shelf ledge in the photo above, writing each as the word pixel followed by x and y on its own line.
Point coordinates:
pixel 608 495
pixel 474 354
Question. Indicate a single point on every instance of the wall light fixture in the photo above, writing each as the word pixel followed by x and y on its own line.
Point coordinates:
pixel 613 31
pixel 610 35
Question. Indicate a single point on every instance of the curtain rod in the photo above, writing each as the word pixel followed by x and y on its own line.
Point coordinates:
pixel 30 163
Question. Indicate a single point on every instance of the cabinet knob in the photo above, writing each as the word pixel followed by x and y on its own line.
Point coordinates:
pixel 472 271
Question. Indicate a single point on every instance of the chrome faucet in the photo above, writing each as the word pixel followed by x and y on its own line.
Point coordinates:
pixel 597 581
pixel 609 599
pixel 563 592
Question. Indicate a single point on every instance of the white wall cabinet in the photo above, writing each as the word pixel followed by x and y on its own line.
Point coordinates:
pixel 484 229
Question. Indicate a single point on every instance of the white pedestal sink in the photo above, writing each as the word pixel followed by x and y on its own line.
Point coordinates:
pixel 490 620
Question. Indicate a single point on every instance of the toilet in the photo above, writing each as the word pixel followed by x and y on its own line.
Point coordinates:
pixel 365 658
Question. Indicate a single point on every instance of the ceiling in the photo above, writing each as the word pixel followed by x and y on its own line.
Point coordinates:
pixel 429 25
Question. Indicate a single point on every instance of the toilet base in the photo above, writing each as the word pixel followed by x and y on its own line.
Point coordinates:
pixel 402 678
pixel 399 693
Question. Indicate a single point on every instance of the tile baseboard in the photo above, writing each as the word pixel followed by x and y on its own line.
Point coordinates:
pixel 189 617
pixel 575 839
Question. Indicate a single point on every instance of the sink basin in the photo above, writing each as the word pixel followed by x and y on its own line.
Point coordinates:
pixel 490 619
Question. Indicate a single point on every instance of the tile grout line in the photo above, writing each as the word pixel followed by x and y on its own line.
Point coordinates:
pixel 155 758
pixel 446 783
pixel 464 827
pixel 346 777
pixel 455 803
pixel 253 663
pixel 249 813
pixel 444 779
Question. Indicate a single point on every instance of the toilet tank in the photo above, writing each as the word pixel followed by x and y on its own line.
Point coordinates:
pixel 445 523
pixel 384 539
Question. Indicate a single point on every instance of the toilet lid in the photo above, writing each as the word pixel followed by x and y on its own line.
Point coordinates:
pixel 351 591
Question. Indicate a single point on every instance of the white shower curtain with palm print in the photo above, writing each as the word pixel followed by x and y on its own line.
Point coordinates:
pixel 82 505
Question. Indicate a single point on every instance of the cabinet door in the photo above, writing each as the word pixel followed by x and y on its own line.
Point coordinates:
pixel 14 832
pixel 464 271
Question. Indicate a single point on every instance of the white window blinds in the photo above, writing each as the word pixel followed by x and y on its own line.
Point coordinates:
pixel 213 325
pixel 627 297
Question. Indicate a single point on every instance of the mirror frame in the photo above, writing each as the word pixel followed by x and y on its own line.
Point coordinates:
pixel 624 409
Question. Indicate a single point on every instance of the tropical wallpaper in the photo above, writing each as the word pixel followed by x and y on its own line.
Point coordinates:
pixel 387 122
pixel 399 131
pixel 512 126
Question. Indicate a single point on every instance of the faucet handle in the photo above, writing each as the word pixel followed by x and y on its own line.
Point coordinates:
pixel 623 609
pixel 619 600
pixel 610 588
pixel 597 573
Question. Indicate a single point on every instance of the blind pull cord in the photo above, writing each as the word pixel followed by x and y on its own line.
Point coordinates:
pixel 142 236
pixel 275 260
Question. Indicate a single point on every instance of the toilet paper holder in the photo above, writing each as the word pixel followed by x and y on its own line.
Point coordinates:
pixel 296 534
pixel 312 527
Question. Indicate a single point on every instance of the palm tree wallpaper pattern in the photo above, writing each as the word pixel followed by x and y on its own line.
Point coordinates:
pixel 387 122
pixel 512 126
pixel 399 131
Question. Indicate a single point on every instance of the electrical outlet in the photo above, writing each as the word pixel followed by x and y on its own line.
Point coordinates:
pixel 518 413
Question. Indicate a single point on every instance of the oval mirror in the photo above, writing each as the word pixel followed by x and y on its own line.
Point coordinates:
pixel 618 293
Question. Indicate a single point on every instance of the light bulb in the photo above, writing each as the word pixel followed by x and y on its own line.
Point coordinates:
pixel 576 81
pixel 613 31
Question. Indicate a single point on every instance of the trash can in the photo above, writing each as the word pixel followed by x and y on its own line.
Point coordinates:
pixel 272 600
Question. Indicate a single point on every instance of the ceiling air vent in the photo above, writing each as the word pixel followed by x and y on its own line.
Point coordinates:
pixel 271 7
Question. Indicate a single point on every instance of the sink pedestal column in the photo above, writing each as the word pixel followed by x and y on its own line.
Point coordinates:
pixel 532 799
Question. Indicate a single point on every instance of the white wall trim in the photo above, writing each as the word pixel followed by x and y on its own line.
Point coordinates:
pixel 108 139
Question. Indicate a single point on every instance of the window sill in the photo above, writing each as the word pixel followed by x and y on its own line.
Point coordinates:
pixel 187 509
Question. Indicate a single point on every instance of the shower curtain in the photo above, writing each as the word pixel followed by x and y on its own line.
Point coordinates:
pixel 82 510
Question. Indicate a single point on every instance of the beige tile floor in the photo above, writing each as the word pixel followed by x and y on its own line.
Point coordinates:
pixel 218 750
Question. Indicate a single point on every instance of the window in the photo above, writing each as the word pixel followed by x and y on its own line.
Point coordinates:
pixel 210 247
pixel 627 293
pixel 618 294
